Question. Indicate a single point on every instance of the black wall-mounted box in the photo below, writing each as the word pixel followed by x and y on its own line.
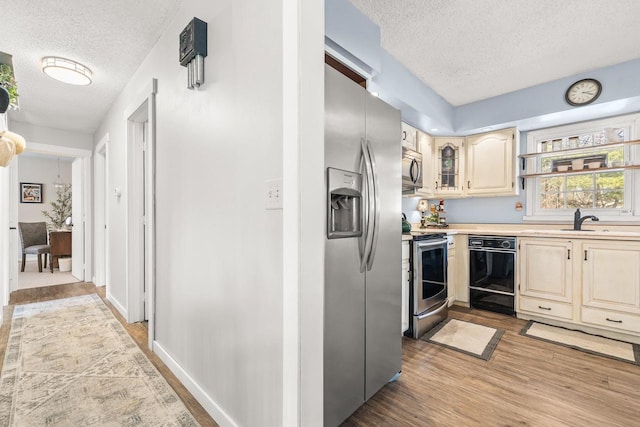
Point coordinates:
pixel 193 41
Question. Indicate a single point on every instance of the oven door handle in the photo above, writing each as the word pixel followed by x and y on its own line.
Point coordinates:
pixel 430 243
pixel 445 304
pixel 502 251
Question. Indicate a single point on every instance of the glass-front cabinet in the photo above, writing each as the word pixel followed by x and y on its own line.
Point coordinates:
pixel 449 167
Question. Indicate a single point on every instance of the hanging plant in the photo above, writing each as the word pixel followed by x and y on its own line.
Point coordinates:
pixel 60 208
pixel 8 82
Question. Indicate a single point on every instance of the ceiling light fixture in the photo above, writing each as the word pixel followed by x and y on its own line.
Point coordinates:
pixel 58 183
pixel 66 70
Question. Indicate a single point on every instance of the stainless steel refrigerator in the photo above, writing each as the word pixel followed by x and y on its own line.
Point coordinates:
pixel 362 345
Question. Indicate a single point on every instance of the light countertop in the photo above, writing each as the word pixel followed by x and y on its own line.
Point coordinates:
pixel 518 231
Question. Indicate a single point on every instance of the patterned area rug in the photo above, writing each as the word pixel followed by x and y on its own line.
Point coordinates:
pixel 475 340
pixel 588 343
pixel 69 362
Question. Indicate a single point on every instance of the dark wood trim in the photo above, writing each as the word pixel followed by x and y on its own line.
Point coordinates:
pixel 337 65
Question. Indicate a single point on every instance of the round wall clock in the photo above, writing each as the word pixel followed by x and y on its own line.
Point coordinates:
pixel 583 92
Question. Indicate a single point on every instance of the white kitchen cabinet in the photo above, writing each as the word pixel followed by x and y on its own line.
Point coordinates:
pixel 409 137
pixel 593 285
pixel 406 266
pixel 426 145
pixel 611 284
pixel 460 286
pixel 449 161
pixel 491 164
pixel 452 270
pixel 545 277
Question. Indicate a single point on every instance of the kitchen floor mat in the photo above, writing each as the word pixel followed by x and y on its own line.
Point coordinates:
pixel 469 338
pixel 593 344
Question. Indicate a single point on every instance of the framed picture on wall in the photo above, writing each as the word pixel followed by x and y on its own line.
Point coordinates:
pixel 30 192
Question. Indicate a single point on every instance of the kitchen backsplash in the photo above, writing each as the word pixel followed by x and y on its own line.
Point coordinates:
pixel 473 210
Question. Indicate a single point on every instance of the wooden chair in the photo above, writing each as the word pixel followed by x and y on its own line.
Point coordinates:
pixel 33 236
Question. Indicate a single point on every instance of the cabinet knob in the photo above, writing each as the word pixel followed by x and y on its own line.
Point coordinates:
pixel 544 308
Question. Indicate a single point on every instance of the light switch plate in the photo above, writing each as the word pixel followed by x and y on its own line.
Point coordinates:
pixel 273 194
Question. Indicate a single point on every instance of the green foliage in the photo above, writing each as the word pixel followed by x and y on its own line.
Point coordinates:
pixel 8 81
pixel 60 208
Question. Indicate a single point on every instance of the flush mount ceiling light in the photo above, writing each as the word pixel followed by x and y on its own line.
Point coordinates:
pixel 66 70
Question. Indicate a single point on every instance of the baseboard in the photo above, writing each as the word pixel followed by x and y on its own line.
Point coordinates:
pixel 117 305
pixel 218 414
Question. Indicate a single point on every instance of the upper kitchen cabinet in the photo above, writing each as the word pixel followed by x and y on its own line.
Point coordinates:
pixel 424 146
pixel 491 163
pixel 410 137
pixel 448 167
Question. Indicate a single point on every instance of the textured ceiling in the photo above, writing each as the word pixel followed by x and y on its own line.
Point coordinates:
pixel 111 37
pixel 469 50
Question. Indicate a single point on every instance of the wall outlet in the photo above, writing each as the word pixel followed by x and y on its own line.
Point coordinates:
pixel 273 194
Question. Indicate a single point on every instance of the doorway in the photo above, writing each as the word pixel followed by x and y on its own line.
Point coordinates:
pixel 54 168
pixel 140 231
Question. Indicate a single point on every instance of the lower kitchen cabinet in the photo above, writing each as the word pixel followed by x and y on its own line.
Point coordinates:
pixel 406 266
pixel 545 277
pixel 593 283
pixel 460 284
pixel 611 284
pixel 452 279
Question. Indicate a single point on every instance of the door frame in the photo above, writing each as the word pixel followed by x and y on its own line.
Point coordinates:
pixel 101 212
pixel 143 109
pixel 87 215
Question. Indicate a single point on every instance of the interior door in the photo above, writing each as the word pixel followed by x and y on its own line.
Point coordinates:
pixel 77 214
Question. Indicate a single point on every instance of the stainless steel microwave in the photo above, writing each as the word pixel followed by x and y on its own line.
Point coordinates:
pixel 411 169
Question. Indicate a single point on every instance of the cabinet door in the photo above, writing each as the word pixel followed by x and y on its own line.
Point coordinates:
pixel 404 323
pixel 611 275
pixel 491 164
pixel 449 167
pixel 451 272
pixel 409 137
pixel 425 146
pixel 545 269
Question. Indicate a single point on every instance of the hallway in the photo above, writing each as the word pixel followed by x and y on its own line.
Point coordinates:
pixel 137 331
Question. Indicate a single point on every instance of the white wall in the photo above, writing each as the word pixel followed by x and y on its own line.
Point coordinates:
pixel 219 252
pixel 44 171
pixel 4 238
pixel 52 136
pixel 40 170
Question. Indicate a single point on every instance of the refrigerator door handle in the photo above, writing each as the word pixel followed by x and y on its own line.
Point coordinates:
pixel 376 205
pixel 367 234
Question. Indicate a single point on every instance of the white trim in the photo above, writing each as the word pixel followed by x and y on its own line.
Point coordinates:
pixel 631 122
pixel 290 215
pixel 150 208
pixel 57 150
pixel 121 309
pixel 211 406
pixel 136 114
pixel 101 209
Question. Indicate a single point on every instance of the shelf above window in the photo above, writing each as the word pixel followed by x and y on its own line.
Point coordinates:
pixel 579 149
pixel 583 171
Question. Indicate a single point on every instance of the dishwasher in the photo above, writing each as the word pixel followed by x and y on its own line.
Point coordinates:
pixel 492 278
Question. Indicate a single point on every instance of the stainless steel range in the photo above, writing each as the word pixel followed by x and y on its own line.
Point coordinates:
pixel 428 304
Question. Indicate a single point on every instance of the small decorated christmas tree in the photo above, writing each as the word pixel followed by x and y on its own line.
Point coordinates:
pixel 60 208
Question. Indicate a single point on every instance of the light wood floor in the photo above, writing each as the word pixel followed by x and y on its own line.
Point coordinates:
pixel 138 332
pixel 527 382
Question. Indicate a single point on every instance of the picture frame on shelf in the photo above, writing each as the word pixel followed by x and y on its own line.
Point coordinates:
pixel 30 192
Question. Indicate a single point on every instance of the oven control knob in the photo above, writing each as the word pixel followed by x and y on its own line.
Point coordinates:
pixel 506 244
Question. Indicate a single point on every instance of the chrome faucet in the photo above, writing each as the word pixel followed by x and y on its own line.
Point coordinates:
pixel 577 220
